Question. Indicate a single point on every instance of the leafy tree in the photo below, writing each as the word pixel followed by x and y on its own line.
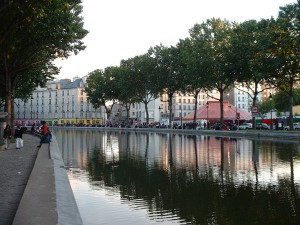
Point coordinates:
pixel 32 36
pixel 216 33
pixel 197 66
pixel 251 46
pixel 169 72
pixel 286 52
pixel 102 89
pixel 126 92
pixel 141 76
pixel 280 98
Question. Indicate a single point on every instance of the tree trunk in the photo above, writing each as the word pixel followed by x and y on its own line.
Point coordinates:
pixel 147 112
pixel 254 103
pixel 196 105
pixel 170 109
pixel 8 93
pixel 12 117
pixel 291 103
pixel 222 106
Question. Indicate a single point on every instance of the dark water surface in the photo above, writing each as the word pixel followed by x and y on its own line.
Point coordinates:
pixel 149 178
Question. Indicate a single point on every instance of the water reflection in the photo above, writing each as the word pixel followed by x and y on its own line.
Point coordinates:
pixel 132 178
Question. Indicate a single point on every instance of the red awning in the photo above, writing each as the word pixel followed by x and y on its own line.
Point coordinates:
pixel 212 111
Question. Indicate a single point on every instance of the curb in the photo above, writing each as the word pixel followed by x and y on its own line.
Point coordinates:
pixel 48 198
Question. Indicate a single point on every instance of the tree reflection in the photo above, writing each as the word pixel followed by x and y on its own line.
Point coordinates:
pixel 192 186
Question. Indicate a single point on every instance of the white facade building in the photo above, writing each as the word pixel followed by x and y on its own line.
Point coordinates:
pixel 60 102
pixel 65 102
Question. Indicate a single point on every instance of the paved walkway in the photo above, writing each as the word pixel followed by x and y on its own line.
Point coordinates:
pixel 15 169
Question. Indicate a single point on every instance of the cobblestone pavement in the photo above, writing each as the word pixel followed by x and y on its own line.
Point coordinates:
pixel 15 169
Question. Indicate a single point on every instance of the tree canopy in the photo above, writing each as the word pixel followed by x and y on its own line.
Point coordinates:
pixel 32 35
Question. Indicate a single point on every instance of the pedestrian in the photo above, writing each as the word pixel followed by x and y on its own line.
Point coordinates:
pixel 33 128
pixel 7 136
pixel 19 137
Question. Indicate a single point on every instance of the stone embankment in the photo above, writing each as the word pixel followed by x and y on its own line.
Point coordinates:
pixel 34 185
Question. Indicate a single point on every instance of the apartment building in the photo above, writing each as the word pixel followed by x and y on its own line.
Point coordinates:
pixel 65 102
pixel 60 102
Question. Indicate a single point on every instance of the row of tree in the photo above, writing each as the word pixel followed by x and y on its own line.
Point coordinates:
pixel 33 33
pixel 217 55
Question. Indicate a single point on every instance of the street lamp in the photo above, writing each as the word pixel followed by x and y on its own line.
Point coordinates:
pixel 271 97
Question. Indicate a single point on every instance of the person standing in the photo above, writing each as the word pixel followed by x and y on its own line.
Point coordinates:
pixel 7 136
pixel 33 128
pixel 19 137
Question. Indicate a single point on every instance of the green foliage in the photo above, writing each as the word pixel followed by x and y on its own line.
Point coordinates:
pixel 212 44
pixel 102 88
pixel 169 72
pixel 251 46
pixel 32 35
pixel 286 66
pixel 138 83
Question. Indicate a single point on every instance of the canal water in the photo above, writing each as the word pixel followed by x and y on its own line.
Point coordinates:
pixel 121 177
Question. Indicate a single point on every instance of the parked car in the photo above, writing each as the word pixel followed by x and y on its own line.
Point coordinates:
pixel 262 126
pixel 296 126
pixel 245 126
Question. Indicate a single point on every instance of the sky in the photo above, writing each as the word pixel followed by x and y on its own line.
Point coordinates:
pixel 122 29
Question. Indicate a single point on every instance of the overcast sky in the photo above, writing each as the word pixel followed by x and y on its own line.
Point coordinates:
pixel 122 29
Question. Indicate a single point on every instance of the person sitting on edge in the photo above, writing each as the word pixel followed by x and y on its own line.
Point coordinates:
pixel 45 133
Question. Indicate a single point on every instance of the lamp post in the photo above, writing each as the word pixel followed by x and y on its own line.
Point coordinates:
pixel 207 104
pixel 271 97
